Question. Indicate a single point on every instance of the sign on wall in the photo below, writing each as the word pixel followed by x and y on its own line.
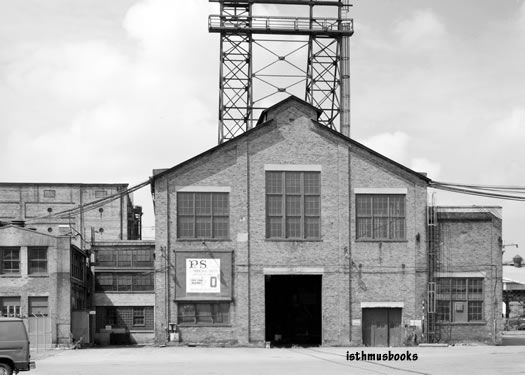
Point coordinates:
pixel 203 275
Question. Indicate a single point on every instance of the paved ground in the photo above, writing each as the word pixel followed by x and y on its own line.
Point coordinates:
pixel 242 361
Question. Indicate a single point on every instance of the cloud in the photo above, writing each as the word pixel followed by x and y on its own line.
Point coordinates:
pixel 432 169
pixel 422 29
pixel 392 145
pixel 511 127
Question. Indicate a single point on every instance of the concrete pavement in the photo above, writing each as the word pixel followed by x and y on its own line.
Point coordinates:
pixel 241 361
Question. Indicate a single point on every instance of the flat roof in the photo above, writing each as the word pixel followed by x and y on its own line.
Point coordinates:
pixel 60 184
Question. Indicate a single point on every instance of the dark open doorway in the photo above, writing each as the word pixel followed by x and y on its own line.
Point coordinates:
pixel 293 309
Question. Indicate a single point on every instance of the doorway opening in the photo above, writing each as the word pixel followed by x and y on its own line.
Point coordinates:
pixel 382 326
pixel 293 310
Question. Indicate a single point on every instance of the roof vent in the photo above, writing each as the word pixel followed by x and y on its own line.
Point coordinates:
pixel 517 261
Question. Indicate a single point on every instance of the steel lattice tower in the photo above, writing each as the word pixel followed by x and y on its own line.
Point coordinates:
pixel 324 70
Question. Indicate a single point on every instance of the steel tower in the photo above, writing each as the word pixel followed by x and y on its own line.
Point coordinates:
pixel 309 50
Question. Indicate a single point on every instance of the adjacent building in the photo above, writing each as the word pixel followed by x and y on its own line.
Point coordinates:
pixel 37 204
pixel 124 292
pixel 44 279
pixel 293 233
pixel 45 255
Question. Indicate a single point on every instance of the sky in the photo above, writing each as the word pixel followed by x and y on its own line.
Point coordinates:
pixel 106 91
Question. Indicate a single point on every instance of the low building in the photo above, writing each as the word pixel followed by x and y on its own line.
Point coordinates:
pixel 124 292
pixel 44 279
pixel 514 290
pixel 469 274
pixel 293 233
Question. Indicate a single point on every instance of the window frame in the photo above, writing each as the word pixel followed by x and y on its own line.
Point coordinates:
pixel 39 260
pixel 219 313
pixel 32 299
pixel 4 261
pixel 212 216
pixel 139 281
pixel 284 215
pixel 467 290
pixel 390 217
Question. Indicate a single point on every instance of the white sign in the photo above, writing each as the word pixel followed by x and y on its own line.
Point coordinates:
pixel 356 322
pixel 203 275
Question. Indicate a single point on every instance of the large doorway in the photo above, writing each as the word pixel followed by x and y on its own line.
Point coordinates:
pixel 382 327
pixel 293 309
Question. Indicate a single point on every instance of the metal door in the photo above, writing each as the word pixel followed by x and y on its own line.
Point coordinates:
pixel 382 327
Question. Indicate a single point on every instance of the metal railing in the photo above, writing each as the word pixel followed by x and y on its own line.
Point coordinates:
pixel 281 25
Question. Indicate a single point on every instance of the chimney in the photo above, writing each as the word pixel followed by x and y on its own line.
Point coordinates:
pixel 517 261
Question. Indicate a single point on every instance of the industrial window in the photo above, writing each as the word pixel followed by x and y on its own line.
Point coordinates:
pixel 203 215
pixel 125 258
pixel 78 297
pixel 127 317
pixel 50 193
pixel 37 260
pixel 380 217
pixel 204 313
pixel 293 205
pixel 10 306
pixel 139 317
pixel 38 306
pixel 77 265
pixel 460 299
pixel 9 260
pixel 123 282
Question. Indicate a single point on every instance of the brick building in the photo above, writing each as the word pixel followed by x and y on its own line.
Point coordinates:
pixel 34 206
pixel 124 292
pixel 44 279
pixel 33 202
pixel 469 274
pixel 296 234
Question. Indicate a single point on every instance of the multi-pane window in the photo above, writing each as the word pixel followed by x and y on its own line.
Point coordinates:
pixel 460 299
pixel 10 306
pixel 293 205
pixel 380 217
pixel 203 215
pixel 37 260
pixel 123 282
pixel 127 317
pixel 138 316
pixel 38 306
pixel 9 260
pixel 204 313
pixel 78 265
pixel 125 258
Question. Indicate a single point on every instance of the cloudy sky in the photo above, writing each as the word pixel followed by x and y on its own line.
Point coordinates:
pixel 105 91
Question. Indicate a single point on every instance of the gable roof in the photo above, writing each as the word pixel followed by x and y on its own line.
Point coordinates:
pixel 263 124
pixel 263 114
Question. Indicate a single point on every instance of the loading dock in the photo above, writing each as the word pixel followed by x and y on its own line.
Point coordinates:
pixel 293 309
pixel 381 326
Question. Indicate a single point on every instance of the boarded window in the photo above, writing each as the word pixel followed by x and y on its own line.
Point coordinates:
pixel 100 193
pixel 203 215
pixel 38 306
pixel 293 205
pixel 380 217
pixel 50 193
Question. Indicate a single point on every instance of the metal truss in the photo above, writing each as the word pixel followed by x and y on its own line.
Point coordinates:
pixel 309 55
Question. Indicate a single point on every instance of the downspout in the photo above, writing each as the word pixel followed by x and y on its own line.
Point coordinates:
pixel 168 251
pixel 249 239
